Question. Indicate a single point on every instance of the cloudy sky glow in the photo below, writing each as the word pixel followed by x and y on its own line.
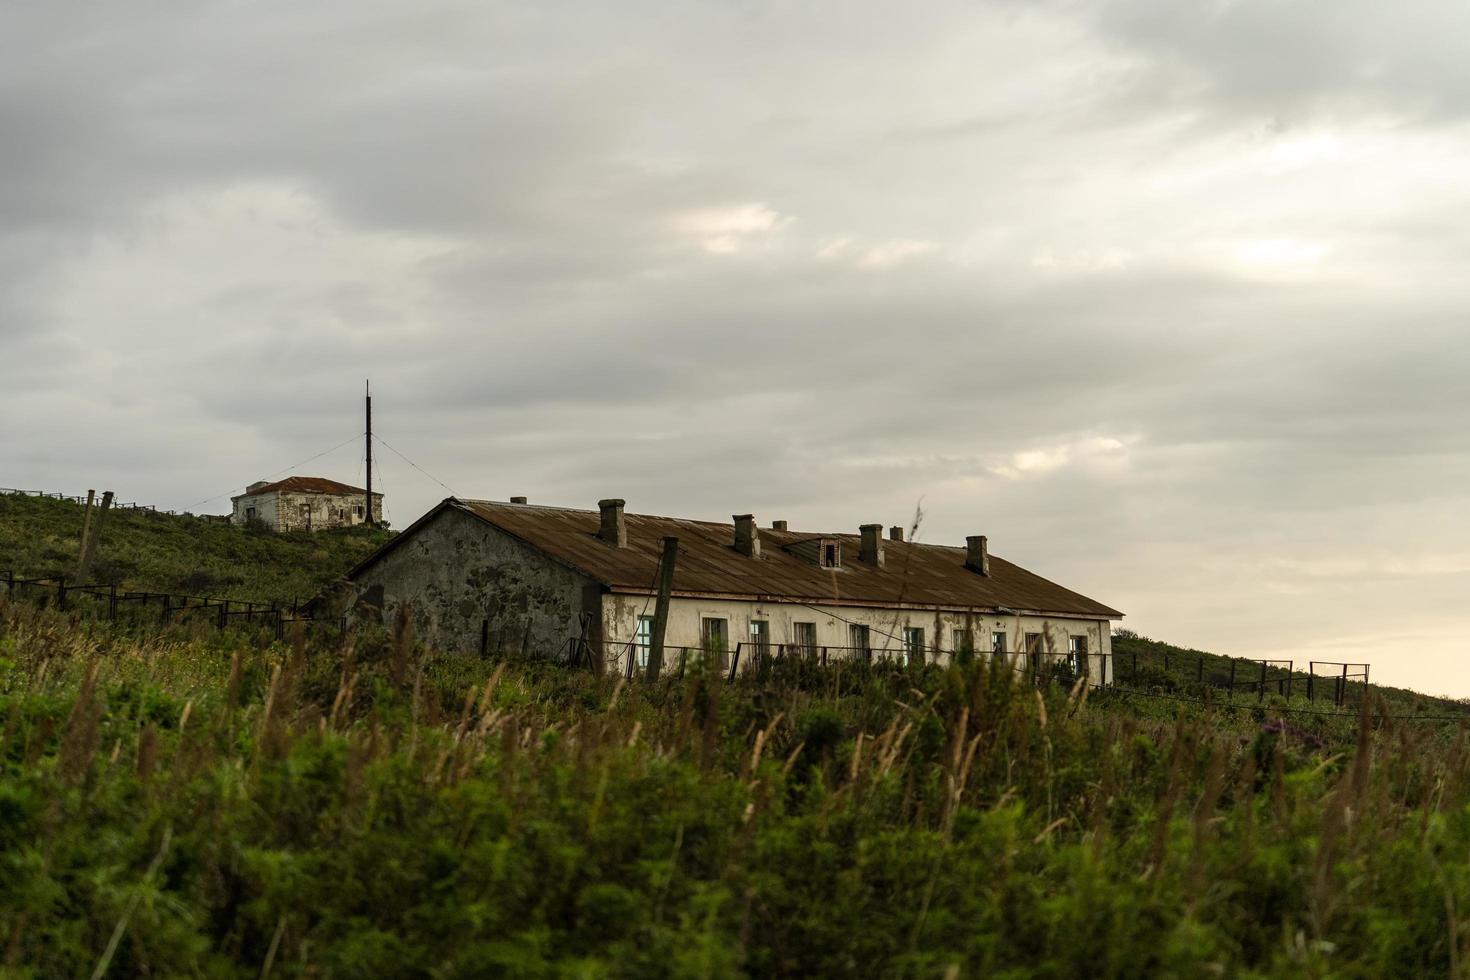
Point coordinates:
pixel 1168 299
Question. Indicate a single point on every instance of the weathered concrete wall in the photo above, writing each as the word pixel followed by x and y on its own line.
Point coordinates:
pixel 286 511
pixel 460 576
pixel 886 626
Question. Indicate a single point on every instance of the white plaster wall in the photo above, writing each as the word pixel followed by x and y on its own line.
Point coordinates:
pixel 620 613
pixel 283 511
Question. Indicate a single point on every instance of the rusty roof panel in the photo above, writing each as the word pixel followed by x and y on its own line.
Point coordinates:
pixel 913 573
pixel 306 484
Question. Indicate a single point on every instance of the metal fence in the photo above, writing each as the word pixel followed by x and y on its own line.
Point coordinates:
pixel 106 602
pixel 1333 681
pixel 134 506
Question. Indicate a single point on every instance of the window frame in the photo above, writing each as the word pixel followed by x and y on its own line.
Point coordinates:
pixel 759 633
pixel 860 639
pixel 1077 652
pixel 642 640
pixel 829 553
pixel 708 634
pixel 799 642
pixel 910 647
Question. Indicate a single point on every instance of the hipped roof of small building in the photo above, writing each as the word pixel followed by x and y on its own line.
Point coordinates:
pixel 305 484
pixel 913 574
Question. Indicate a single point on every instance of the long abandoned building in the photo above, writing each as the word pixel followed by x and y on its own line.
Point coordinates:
pixel 487 576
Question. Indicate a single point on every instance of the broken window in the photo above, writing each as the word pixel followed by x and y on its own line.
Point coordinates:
pixel 804 637
pixel 913 644
pixel 859 637
pixel 714 634
pixel 760 636
pixel 1077 654
pixel 831 553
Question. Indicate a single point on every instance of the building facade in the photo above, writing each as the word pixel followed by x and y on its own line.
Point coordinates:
pixel 486 576
pixel 304 503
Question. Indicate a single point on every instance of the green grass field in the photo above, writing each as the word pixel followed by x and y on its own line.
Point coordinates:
pixel 202 803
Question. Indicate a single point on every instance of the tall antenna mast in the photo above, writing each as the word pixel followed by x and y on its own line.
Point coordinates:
pixel 368 393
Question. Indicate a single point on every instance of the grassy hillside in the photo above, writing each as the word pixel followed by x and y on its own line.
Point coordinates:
pixel 196 804
pixel 1156 666
pixel 178 554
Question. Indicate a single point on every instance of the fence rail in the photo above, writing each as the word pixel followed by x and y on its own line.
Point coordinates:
pixel 133 506
pixel 1321 680
pixel 107 602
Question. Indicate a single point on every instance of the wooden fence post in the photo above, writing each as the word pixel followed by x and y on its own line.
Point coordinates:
pixel 61 593
pixel 1261 692
pixel 1342 687
pixel 1232 676
pixel 89 547
pixel 86 535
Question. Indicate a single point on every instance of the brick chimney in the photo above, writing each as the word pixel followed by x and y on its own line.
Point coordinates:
pixel 977 554
pixel 613 530
pixel 895 533
pixel 872 547
pixel 747 537
pixel 778 525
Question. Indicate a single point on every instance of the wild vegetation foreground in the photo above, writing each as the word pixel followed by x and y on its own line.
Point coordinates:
pixel 214 804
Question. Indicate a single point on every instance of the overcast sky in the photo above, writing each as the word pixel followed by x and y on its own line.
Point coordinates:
pixel 1169 299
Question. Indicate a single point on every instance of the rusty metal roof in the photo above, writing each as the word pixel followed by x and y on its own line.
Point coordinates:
pixel 913 574
pixel 305 484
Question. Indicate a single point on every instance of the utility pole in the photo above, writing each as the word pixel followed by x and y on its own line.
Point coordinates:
pixel 368 390
pixel 661 607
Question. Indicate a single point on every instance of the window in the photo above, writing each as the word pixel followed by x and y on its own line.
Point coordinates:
pixel 1033 653
pixel 804 637
pixel 831 553
pixel 1077 654
pixel 760 636
pixel 860 639
pixel 250 513
pixel 714 635
pixel 963 641
pixel 913 644
pixel 998 642
pixel 642 640
pixel 358 508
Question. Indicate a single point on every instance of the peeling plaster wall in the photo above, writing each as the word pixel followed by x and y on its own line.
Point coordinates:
pixel 305 511
pixel 620 614
pixel 461 576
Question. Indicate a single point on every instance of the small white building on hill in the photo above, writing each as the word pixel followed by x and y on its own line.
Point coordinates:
pixel 304 503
